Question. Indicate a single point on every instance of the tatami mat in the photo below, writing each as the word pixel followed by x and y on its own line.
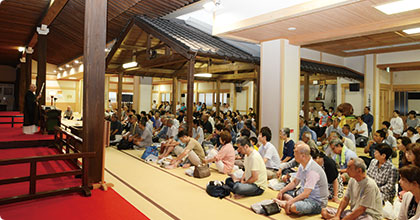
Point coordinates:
pixel 177 194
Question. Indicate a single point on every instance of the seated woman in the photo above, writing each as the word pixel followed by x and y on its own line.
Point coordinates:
pixel 335 182
pixel 410 182
pixel 413 154
pixel 225 157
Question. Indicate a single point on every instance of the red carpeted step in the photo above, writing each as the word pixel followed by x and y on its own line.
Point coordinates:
pixel 16 134
pixel 101 205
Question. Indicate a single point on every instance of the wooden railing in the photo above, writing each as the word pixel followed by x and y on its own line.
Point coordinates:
pixel 67 145
pixel 12 122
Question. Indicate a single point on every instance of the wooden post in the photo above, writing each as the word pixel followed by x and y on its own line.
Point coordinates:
pixel 190 94
pixel 257 93
pixel 28 76
pixel 306 96
pixel 94 85
pixel 119 95
pixel 218 97
pixel 42 62
pixel 136 94
pixel 174 93
pixel 22 84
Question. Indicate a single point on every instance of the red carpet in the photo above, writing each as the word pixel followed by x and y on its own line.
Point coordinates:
pixel 101 205
pixel 16 134
pixel 20 170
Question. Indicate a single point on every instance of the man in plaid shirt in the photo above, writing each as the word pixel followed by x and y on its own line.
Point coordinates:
pixel 384 172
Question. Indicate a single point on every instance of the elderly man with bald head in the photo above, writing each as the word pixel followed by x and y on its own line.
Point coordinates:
pixel 313 194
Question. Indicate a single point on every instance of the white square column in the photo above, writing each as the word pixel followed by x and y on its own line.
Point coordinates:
pixel 372 94
pixel 280 88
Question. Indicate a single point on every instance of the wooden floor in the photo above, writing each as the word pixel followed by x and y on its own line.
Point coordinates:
pixel 170 194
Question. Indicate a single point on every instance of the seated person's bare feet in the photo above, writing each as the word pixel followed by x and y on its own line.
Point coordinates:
pixel 172 166
pixel 187 165
pixel 160 156
pixel 336 199
pixel 281 203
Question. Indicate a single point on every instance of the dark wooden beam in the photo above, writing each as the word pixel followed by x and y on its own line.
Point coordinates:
pixel 119 40
pixel 239 76
pixel 306 97
pixel 47 18
pixel 41 50
pixel 119 95
pixel 94 86
pixel 28 76
pixel 190 95
pixel 22 84
pixel 161 61
pixel 218 97
pixel 174 94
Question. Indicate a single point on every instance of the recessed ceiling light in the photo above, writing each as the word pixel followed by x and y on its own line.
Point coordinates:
pixel 399 6
pixel 412 31
pixel 291 28
pixel 67 65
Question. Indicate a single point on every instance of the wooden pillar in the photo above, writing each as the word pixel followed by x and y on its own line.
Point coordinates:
pixel 22 84
pixel 174 93
pixel 306 96
pixel 93 85
pixel 218 97
pixel 119 95
pixel 42 62
pixel 190 94
pixel 106 93
pixel 28 76
pixel 257 92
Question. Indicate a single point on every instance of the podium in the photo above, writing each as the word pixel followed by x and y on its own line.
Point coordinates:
pixel 49 118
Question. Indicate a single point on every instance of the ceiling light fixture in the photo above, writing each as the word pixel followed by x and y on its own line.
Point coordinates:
pixel 76 62
pixel 67 65
pixel 130 65
pixel 412 31
pixel 399 6
pixel 55 71
pixel 206 75
pixel 21 49
pixel 291 28
pixel 60 68
pixel 212 5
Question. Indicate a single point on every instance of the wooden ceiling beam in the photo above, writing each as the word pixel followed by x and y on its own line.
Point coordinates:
pixel 47 18
pixel 119 41
pixel 239 76
pixel 400 66
pixel 161 61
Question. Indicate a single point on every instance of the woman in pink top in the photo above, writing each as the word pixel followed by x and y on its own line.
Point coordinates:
pixel 225 158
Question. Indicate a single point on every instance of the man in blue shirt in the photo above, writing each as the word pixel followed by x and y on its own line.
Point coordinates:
pixel 303 127
pixel 368 118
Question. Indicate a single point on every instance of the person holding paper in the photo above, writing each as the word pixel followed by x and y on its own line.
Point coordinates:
pixel 30 107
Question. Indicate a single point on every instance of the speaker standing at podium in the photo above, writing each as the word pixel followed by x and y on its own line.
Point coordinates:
pixel 30 107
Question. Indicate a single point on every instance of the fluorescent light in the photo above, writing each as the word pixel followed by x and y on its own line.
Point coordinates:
pixel 291 28
pixel 76 62
pixel 60 68
pixel 67 65
pixel 207 75
pixel 388 69
pixel 129 65
pixel 21 49
pixel 399 6
pixel 412 31
pixel 72 78
pixel 55 71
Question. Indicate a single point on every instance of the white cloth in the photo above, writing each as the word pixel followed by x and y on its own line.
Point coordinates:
pixel 362 127
pixel 404 207
pixel 397 125
pixel 198 132
pixel 31 129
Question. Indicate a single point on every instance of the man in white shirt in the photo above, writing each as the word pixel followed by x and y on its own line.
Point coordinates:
pixel 173 130
pixel 397 124
pixel 268 152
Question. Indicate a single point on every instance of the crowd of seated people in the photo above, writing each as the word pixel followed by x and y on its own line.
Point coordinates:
pixel 314 169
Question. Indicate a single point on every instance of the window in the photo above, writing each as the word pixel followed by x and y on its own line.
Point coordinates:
pixel 209 99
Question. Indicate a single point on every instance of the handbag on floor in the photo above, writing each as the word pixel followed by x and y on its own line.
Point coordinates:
pixel 201 171
pixel 271 209
pixel 124 145
pixel 218 189
pixel 151 150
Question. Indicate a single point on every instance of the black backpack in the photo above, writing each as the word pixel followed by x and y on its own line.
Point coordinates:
pixel 220 191
pixel 124 145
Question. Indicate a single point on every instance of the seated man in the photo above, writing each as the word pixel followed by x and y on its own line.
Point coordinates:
pixel 168 146
pixel 333 127
pixel 254 179
pixel 313 195
pixel 68 114
pixel 362 194
pixel 134 131
pixel 345 132
pixel 193 151
pixel 335 182
pixel 307 138
pixel 145 140
pixel 268 152
pixel 342 156
pixel 383 172
pixel 361 132
pixel 303 127
pixel 378 137
pixel 116 128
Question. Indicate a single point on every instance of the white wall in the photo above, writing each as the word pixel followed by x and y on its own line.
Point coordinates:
pixel 399 57
pixel 406 77
pixel 356 63
pixel 145 93
pixel 384 77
